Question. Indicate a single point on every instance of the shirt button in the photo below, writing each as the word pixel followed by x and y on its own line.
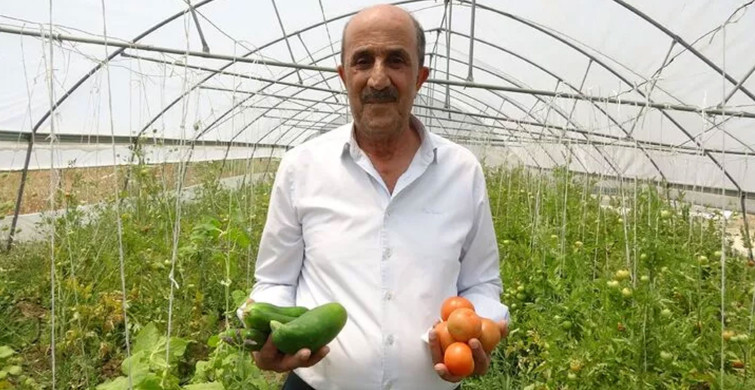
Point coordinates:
pixel 386 253
pixel 388 296
pixel 389 340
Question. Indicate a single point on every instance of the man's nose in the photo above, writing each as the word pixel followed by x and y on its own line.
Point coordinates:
pixel 379 79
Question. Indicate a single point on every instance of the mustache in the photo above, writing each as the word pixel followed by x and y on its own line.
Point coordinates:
pixel 387 95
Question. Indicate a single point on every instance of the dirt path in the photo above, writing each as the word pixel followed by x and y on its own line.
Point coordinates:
pixel 91 185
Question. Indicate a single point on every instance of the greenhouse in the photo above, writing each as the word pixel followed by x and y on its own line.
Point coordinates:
pixel 140 143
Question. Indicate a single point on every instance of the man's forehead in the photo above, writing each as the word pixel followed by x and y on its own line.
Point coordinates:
pixel 380 20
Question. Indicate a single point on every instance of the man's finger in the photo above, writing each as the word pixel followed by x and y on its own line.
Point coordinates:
pixel 435 350
pixel 481 359
pixel 268 351
pixel 289 362
pixel 503 325
pixel 317 356
pixel 443 372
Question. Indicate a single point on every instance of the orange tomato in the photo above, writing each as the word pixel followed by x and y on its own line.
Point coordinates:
pixel 443 336
pixel 453 303
pixel 458 359
pixel 464 324
pixel 490 335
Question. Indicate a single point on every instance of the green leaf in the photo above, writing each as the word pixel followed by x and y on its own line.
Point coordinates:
pixel 157 354
pixel 213 341
pixel 120 383
pixel 205 386
pixel 201 371
pixel 238 237
pixel 6 351
pixel 178 347
pixel 238 297
pixel 147 338
pixel 14 370
pixel 136 365
pixel 149 382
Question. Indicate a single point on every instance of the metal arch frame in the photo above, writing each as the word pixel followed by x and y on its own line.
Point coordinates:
pixel 65 96
pixel 256 50
pixel 615 73
pixel 461 113
pixel 99 65
pixel 737 85
pixel 561 80
pixel 656 146
pixel 501 113
pixel 505 99
pixel 550 106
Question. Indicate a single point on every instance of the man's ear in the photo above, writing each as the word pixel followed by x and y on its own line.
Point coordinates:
pixel 341 74
pixel 424 73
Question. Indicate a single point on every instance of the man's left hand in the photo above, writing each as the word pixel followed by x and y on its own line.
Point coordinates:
pixel 481 358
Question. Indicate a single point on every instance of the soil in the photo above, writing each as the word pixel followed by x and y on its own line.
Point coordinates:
pixel 95 184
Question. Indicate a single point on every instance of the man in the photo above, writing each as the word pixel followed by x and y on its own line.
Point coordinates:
pixel 384 218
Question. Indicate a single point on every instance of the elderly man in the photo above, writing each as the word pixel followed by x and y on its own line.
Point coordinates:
pixel 383 217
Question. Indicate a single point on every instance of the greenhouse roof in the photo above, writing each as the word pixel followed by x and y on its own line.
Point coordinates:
pixel 642 89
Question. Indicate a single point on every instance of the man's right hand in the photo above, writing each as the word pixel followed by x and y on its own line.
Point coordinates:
pixel 270 358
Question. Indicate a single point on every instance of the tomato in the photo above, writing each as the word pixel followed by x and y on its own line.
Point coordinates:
pixel 458 359
pixel 453 303
pixel 443 336
pixel 464 324
pixel 490 334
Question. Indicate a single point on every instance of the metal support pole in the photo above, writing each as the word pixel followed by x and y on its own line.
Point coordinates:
pixel 470 76
pixel 164 50
pixel 449 4
pixel 205 46
pixel 747 240
pixel 288 44
pixel 448 83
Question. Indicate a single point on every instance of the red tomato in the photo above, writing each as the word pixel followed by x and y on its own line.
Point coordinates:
pixel 443 336
pixel 464 324
pixel 490 334
pixel 453 303
pixel 458 359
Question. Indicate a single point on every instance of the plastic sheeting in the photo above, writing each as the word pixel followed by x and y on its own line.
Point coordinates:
pixel 695 54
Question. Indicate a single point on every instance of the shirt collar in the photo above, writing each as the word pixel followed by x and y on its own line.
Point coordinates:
pixel 427 148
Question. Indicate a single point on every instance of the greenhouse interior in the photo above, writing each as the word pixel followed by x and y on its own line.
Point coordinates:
pixel 140 141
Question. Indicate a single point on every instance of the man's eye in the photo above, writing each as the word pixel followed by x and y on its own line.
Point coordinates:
pixel 362 61
pixel 396 60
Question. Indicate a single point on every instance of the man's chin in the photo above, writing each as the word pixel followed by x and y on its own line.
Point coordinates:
pixel 380 126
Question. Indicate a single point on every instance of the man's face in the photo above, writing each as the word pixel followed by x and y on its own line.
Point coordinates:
pixel 381 70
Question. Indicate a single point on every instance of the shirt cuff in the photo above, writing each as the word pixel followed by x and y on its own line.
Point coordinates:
pixel 487 307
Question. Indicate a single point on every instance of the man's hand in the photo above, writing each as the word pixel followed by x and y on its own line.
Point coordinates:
pixel 270 358
pixel 481 358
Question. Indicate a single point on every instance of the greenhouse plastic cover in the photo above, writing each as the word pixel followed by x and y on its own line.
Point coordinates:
pixel 661 90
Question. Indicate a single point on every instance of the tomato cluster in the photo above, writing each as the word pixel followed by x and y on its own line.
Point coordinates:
pixel 460 323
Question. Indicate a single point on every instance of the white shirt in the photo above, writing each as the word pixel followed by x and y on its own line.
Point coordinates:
pixel 335 233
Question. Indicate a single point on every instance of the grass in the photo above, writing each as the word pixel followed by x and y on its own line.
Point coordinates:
pixel 605 292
